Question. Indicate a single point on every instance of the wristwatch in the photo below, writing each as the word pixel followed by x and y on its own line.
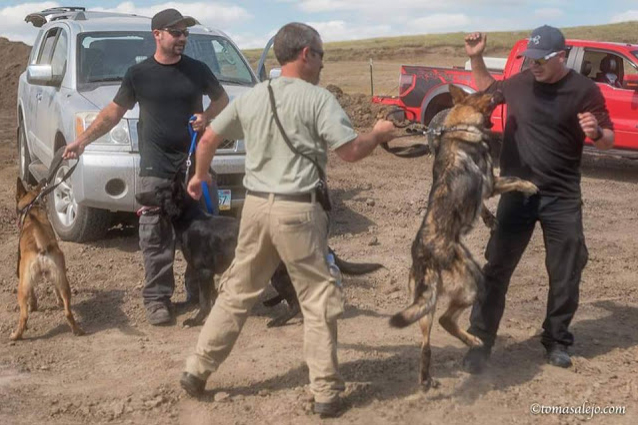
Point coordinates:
pixel 600 134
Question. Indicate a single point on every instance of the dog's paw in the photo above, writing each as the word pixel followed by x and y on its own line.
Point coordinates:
pixel 192 322
pixel 78 331
pixel 474 341
pixel 490 222
pixel 429 383
pixel 15 336
pixel 529 188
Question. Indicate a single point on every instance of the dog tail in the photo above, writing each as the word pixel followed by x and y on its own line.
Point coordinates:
pixel 355 269
pixel 425 295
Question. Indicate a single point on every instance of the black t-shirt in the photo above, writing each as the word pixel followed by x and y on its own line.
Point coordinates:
pixel 543 141
pixel 168 96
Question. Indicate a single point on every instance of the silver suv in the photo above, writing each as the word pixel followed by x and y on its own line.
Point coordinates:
pixel 75 68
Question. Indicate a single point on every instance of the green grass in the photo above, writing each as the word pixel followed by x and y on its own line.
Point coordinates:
pixel 499 43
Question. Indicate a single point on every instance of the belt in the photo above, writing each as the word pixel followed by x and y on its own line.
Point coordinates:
pixel 302 197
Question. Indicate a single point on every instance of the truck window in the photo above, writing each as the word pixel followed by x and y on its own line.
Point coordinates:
pixel 603 67
pixel 106 56
pixel 58 60
pixel 44 57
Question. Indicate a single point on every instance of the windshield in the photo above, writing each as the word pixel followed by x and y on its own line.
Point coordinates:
pixel 106 56
pixel 635 53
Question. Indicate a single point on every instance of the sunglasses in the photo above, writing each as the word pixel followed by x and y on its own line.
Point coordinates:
pixel 543 61
pixel 176 33
pixel 317 52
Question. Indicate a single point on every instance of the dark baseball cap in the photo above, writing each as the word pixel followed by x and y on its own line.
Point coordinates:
pixel 170 17
pixel 543 41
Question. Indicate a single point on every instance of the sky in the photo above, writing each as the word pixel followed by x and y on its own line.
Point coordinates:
pixel 251 23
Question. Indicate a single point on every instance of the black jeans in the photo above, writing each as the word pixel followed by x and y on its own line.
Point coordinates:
pixel 565 258
pixel 158 240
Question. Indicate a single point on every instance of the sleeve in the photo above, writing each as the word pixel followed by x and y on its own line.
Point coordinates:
pixel 595 103
pixel 333 124
pixel 227 123
pixel 125 96
pixel 212 88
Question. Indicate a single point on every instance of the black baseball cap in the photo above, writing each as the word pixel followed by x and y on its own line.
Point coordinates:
pixel 543 41
pixel 170 17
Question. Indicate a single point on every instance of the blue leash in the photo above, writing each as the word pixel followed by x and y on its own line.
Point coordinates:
pixel 209 203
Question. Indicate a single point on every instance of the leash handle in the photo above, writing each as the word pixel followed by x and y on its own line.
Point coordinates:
pixel 205 191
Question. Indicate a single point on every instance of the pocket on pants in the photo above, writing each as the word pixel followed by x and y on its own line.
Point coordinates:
pixel 150 231
pixel 298 236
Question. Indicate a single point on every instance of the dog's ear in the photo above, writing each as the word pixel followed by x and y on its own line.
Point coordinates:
pixel 20 189
pixel 458 94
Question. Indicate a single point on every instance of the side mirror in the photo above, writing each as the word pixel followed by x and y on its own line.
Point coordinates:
pixel 274 73
pixel 42 75
pixel 631 81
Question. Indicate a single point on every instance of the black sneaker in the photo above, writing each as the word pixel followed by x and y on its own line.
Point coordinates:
pixel 476 359
pixel 192 384
pixel 557 355
pixel 158 314
pixel 333 409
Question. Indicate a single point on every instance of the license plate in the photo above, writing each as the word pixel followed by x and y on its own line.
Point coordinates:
pixel 224 199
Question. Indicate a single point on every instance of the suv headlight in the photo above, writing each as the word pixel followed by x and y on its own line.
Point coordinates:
pixel 119 135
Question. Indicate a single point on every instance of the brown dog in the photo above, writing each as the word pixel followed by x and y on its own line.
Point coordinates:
pixel 463 178
pixel 39 256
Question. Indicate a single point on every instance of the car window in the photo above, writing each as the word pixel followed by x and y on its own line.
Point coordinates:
pixel 605 67
pixel 106 56
pixel 58 60
pixel 44 57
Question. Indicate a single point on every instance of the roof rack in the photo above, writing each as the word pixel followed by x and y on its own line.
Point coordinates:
pixel 39 19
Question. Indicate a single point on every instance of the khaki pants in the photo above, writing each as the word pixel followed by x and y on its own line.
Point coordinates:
pixel 295 233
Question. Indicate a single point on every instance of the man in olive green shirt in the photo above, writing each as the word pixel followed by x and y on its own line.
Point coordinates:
pixel 281 219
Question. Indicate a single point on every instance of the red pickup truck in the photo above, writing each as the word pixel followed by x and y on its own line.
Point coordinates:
pixel 423 90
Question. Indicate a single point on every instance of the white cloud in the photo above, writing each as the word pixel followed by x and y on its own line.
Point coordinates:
pixel 548 13
pixel 342 30
pixel 629 15
pixel 214 14
pixel 440 22
pixel 13 26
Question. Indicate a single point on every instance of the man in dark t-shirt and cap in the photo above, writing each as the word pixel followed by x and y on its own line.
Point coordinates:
pixel 550 111
pixel 169 87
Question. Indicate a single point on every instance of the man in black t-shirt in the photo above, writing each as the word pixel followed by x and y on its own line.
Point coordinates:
pixel 550 111
pixel 168 87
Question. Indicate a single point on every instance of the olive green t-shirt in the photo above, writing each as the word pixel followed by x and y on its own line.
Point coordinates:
pixel 313 120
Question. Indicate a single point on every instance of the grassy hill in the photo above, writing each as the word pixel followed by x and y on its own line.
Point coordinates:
pixel 499 43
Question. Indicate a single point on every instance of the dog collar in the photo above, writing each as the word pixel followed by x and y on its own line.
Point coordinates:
pixel 474 133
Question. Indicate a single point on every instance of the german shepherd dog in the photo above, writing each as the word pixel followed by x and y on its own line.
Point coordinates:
pixel 463 178
pixel 208 243
pixel 39 256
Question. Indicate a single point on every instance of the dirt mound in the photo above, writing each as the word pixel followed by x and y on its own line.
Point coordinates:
pixel 362 112
pixel 13 60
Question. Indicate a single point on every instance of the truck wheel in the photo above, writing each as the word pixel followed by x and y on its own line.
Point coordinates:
pixel 73 222
pixel 438 118
pixel 436 122
pixel 24 156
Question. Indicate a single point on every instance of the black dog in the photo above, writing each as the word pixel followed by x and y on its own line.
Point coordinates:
pixel 208 243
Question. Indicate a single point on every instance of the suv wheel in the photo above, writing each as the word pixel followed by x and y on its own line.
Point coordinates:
pixel 24 157
pixel 73 222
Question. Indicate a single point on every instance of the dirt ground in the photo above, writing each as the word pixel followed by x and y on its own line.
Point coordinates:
pixel 126 371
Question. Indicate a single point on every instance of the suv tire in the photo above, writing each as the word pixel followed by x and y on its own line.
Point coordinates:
pixel 73 222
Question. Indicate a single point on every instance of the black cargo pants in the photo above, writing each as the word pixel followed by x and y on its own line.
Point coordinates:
pixel 158 241
pixel 565 258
